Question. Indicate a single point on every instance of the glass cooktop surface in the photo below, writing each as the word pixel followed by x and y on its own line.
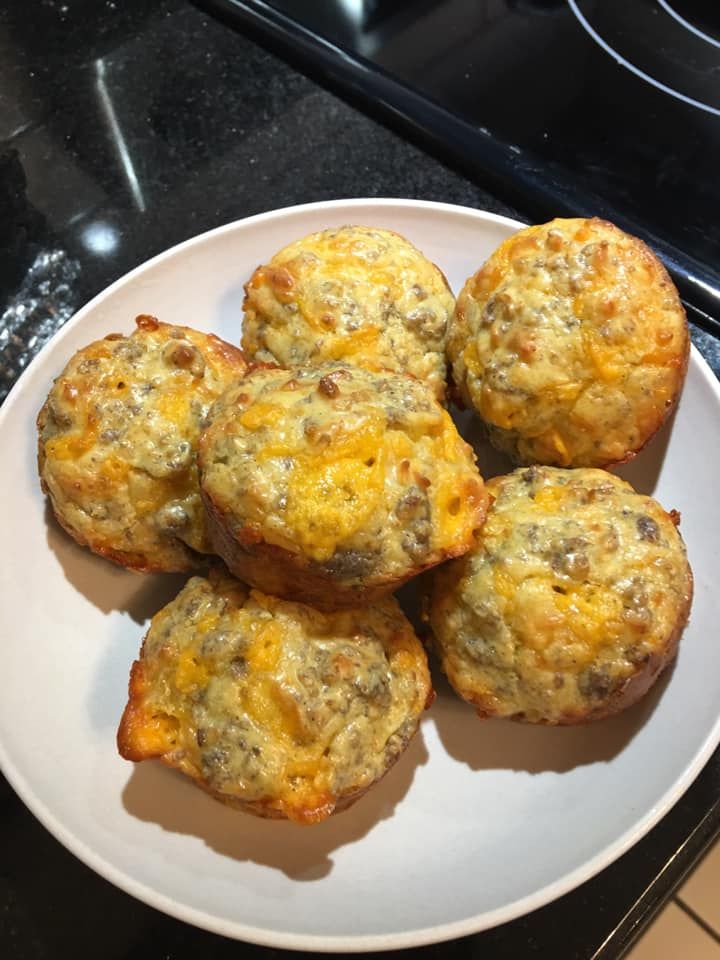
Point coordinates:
pixel 615 101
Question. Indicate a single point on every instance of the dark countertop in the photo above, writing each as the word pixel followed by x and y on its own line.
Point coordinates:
pixel 127 127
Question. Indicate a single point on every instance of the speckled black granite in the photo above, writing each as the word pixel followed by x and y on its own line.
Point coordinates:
pixel 214 128
pixel 709 346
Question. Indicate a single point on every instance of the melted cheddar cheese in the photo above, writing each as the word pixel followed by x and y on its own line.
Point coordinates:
pixel 577 584
pixel 335 462
pixel 117 442
pixel 272 704
pixel 358 294
pixel 571 343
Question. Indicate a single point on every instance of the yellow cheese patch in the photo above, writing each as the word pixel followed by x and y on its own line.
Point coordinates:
pixel 334 491
pixel 174 405
pixel 590 611
pixel 269 702
pixel 343 347
pixel 604 360
pixel 71 446
pixel 503 583
pixel 191 672
pixel 552 441
pixel 551 498
pixel 266 647
pixel 330 500
pixel 261 415
pixel 154 734
pixel 115 470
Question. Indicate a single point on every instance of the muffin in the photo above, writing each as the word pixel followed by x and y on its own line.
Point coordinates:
pixel 333 485
pixel 117 442
pixel 271 706
pixel 571 343
pixel 359 294
pixel 571 604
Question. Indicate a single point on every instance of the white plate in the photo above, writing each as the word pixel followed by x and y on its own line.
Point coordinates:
pixel 477 824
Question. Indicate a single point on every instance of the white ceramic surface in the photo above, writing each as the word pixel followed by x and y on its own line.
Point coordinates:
pixel 477 824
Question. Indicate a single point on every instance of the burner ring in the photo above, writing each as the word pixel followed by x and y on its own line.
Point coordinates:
pixel 638 71
pixel 686 23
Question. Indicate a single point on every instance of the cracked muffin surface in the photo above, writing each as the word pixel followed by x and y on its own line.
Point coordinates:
pixel 354 293
pixel 272 706
pixel 571 343
pixel 572 602
pixel 117 442
pixel 331 484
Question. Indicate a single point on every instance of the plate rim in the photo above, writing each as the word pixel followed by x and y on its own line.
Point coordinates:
pixel 312 942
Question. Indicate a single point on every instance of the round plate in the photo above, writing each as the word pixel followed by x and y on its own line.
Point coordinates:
pixel 478 823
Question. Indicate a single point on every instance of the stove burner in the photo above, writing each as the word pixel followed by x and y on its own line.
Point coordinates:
pixel 659 45
pixel 687 24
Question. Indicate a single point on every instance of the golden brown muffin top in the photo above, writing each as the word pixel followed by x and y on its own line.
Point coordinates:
pixel 272 703
pixel 353 293
pixel 117 442
pixel 361 472
pixel 577 582
pixel 571 343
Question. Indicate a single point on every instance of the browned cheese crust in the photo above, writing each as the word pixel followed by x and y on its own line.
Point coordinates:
pixel 271 706
pixel 571 343
pixel 334 485
pixel 359 294
pixel 571 604
pixel 117 443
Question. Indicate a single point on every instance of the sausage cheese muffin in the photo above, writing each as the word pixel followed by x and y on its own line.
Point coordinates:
pixel 571 343
pixel 334 484
pixel 572 602
pixel 117 442
pixel 271 706
pixel 359 294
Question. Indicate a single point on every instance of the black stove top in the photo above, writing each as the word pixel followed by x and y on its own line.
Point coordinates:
pixel 577 106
